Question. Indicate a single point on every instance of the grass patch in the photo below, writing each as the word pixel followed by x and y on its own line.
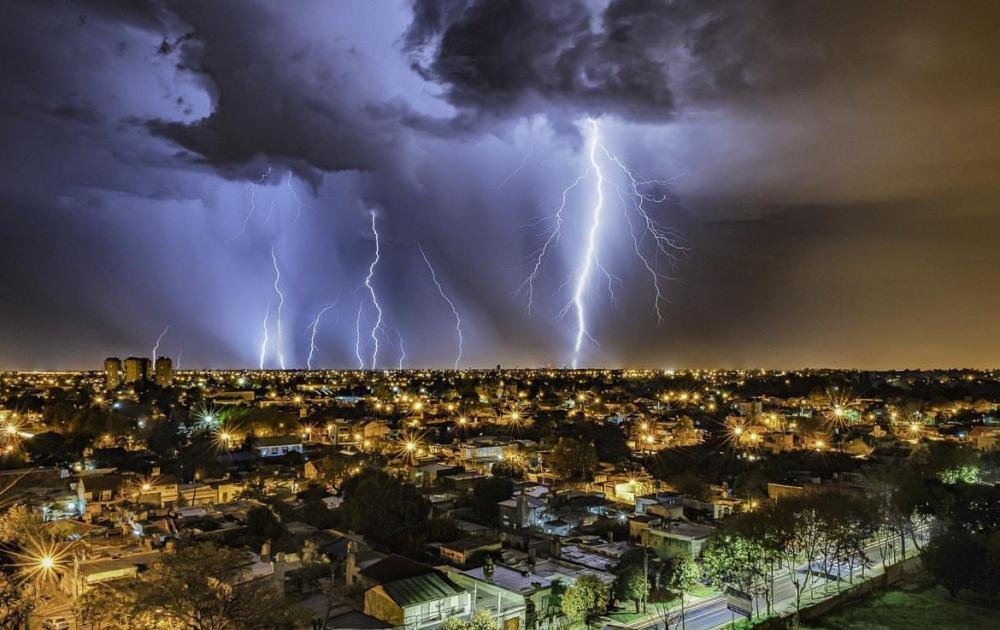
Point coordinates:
pixel 913 606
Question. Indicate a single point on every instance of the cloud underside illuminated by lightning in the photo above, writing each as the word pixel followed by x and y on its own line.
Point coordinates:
pixel 634 197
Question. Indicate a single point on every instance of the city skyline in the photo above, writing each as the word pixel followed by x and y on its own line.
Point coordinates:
pixel 734 185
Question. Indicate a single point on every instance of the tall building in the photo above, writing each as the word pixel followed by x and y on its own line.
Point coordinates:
pixel 164 371
pixel 136 369
pixel 112 372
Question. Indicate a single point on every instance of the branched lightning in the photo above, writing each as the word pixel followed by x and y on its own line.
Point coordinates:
pixel 281 304
pixel 156 346
pixel 665 241
pixel 590 255
pixel 554 234
pixel 253 206
pixel 313 326
pixel 451 305
pixel 634 198
pixel 371 290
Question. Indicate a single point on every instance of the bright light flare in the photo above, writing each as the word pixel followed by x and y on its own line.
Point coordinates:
pixel 42 559
pixel 409 446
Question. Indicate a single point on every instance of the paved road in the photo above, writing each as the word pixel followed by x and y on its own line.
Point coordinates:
pixel 712 612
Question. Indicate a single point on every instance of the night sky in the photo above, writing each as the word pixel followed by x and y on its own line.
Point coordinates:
pixel 828 174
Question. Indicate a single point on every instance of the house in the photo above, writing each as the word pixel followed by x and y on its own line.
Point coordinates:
pixel 519 597
pixel 678 539
pixel 465 550
pixel 279 445
pixel 416 602
pixel 523 510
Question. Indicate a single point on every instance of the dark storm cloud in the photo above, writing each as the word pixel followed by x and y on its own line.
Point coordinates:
pixel 275 98
pixel 644 60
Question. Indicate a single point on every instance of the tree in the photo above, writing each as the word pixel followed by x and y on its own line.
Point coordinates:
pixel 959 561
pixel 487 493
pixel 389 513
pixel 586 598
pixel 482 619
pixel 47 448
pixel 609 442
pixel 574 459
pixel 333 470
pixel 631 583
pixel 15 602
pixel 732 559
pixel 263 525
pixel 199 587
pixel 18 523
pixel 683 577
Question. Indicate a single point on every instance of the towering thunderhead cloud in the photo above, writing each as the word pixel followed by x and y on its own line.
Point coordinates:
pixel 639 59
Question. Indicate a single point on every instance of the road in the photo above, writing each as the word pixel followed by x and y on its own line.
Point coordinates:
pixel 711 613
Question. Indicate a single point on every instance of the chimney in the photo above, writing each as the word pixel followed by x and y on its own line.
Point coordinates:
pixel 351 565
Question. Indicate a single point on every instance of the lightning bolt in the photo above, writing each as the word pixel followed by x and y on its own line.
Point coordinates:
pixel 312 332
pixel 553 236
pixel 281 304
pixel 253 206
pixel 180 354
pixel 156 346
pixel 295 198
pixel 263 342
pixel 357 338
pixel 665 241
pixel 371 291
pixel 632 192
pixel 590 255
pixel 451 305
pixel 402 350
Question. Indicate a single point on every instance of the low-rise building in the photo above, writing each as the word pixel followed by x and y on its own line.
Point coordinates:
pixel 678 539
pixel 421 601
pixel 278 445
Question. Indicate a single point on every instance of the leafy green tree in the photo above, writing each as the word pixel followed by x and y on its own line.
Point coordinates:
pixel 732 559
pixel 487 493
pixel 586 598
pixel 263 525
pixel 961 561
pixel 684 576
pixel 389 513
pixel 631 583
pixel 334 469
pixel 609 442
pixel 47 448
pixel 198 587
pixel 574 459
pixel 480 620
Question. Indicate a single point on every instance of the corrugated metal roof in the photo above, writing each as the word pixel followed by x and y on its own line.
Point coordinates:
pixel 420 589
